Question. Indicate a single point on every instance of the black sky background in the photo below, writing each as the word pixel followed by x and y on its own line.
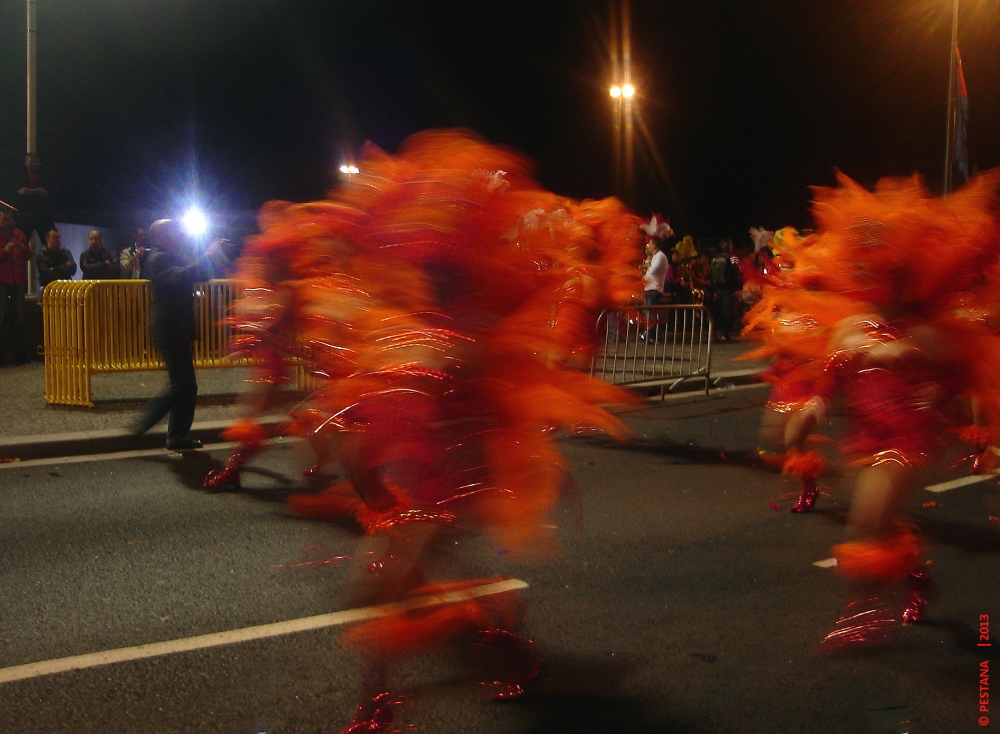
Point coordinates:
pixel 144 102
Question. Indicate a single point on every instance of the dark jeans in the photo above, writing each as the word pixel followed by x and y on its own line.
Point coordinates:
pixel 653 332
pixel 180 398
pixel 12 311
pixel 722 311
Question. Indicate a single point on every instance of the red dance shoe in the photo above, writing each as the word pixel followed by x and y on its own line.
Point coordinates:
pixel 806 467
pixel 919 588
pixel 869 620
pixel 373 717
pixel 516 662
pixel 807 497
pixel 228 476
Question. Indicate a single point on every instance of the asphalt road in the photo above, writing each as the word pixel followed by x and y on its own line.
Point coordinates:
pixel 676 600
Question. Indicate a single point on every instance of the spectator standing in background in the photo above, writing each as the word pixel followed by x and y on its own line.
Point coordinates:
pixel 97 262
pixel 14 255
pixel 701 280
pixel 655 279
pixel 132 257
pixel 54 262
pixel 680 292
pixel 726 280
pixel 33 201
pixel 654 282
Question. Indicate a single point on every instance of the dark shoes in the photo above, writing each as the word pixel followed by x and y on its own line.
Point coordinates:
pixel 183 444
pixel 137 428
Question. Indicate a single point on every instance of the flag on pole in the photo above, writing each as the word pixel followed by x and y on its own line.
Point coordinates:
pixel 961 120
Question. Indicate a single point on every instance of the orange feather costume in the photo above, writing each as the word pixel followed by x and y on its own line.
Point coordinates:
pixel 895 283
pixel 443 302
pixel 892 303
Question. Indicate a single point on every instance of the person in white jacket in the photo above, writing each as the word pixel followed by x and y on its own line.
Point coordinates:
pixel 658 274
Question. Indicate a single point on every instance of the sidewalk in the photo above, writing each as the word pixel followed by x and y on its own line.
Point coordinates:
pixel 30 428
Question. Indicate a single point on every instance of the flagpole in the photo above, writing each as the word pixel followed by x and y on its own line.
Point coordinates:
pixel 949 136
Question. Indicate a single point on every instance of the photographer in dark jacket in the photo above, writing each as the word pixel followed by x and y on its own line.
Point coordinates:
pixel 172 273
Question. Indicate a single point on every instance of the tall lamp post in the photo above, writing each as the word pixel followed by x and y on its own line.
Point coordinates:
pixel 622 95
pixel 952 107
pixel 32 42
pixel 32 98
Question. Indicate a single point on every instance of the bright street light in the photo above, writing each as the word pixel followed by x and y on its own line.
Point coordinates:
pixel 625 91
pixel 195 222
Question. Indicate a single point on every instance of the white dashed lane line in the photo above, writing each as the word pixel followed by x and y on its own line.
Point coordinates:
pixel 961 482
pixel 246 634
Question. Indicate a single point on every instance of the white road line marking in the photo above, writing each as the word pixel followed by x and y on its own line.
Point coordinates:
pixel 79 662
pixel 826 563
pixel 82 458
pixel 962 482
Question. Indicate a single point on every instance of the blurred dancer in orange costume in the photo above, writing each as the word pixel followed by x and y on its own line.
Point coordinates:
pixel 443 302
pixel 892 303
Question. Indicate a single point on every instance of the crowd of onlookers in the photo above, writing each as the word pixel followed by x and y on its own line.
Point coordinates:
pixel 31 214
pixel 675 270
pixel 712 274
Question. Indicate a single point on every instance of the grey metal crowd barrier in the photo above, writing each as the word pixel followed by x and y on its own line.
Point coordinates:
pixel 654 345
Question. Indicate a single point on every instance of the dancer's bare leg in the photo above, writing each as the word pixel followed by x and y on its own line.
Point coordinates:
pixel 984 438
pixel 772 430
pixel 798 428
pixel 395 570
pixel 393 564
pixel 805 466
pixel 879 492
pixel 879 555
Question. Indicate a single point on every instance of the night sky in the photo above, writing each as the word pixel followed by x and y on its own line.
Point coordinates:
pixel 142 102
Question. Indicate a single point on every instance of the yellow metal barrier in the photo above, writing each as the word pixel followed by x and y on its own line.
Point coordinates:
pixel 103 326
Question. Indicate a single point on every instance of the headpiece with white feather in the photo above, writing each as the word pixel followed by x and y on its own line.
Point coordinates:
pixel 657 227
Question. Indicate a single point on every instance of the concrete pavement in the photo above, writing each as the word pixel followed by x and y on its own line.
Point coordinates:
pixel 31 429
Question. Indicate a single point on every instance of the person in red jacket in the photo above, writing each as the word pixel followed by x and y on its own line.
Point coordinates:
pixel 14 256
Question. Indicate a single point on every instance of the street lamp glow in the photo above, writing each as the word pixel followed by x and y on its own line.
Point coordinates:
pixel 195 222
pixel 616 91
pixel 628 91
